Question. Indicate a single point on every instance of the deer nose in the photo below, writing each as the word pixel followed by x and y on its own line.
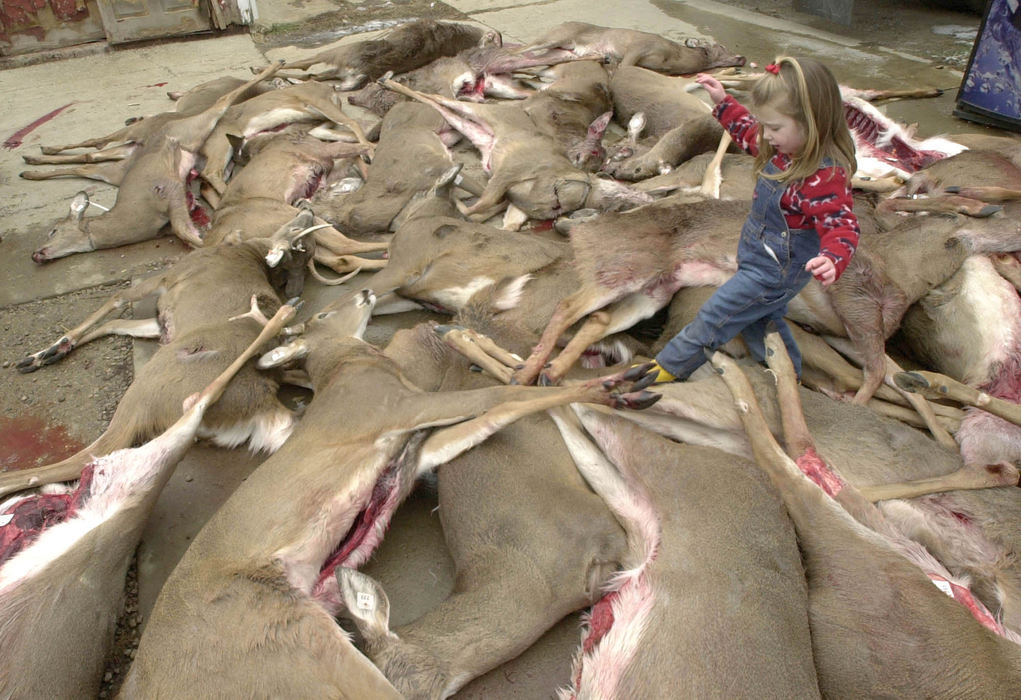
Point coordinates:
pixel 39 256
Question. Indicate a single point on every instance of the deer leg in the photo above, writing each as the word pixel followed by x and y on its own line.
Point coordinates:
pixel 967 477
pixel 936 386
pixel 946 203
pixel 471 346
pixel 482 350
pixel 875 95
pixel 458 114
pixel 111 172
pixel 342 264
pixel 87 329
pixel 985 194
pixel 503 405
pixel 336 242
pixel 328 110
pixel 877 184
pixel 1009 268
pixel 922 406
pixel 616 317
pixel 193 131
pixel 713 175
pixel 566 313
pixel 119 152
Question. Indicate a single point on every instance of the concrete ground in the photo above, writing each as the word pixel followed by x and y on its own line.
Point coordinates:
pixel 53 412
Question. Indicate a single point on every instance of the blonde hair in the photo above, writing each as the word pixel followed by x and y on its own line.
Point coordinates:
pixel 807 92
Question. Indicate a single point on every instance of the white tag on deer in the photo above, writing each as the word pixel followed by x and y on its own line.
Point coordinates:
pixel 366 601
pixel 6 518
pixel 943 586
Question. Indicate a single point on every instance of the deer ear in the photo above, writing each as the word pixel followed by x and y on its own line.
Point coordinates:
pixel 79 204
pixel 296 349
pixel 366 603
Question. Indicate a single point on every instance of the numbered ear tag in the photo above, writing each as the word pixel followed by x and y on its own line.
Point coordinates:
pixel 366 601
pixel 944 586
pixel 4 519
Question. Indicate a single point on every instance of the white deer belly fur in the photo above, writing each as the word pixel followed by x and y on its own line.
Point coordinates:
pixel 265 432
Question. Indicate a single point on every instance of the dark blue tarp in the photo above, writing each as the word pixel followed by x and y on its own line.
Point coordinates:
pixel 991 90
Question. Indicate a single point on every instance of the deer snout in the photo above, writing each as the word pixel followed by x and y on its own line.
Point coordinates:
pixel 41 256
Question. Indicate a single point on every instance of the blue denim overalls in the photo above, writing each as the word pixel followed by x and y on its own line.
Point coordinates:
pixel 770 272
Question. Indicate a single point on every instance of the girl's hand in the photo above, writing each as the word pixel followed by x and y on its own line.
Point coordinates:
pixel 823 269
pixel 713 86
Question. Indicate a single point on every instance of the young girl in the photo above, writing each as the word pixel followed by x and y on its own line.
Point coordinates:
pixel 801 223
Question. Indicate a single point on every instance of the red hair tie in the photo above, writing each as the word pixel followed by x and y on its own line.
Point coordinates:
pixel 773 68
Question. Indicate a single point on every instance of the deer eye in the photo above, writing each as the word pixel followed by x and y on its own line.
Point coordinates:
pixel 52 233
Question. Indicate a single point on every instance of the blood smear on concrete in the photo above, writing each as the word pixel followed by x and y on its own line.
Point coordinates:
pixel 14 140
pixel 29 442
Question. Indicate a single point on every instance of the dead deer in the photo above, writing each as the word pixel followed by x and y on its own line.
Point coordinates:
pixel 309 101
pixel 579 40
pixel 713 571
pixel 452 76
pixel 525 166
pixel 402 49
pixel 61 588
pixel 545 514
pixel 283 169
pixel 677 123
pixel 408 134
pixel 970 182
pixel 972 532
pixel 574 111
pixel 863 587
pixel 968 328
pixel 558 543
pixel 152 192
pixel 119 145
pixel 196 298
pixel 256 570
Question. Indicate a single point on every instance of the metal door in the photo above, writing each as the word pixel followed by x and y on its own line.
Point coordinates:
pixel 131 20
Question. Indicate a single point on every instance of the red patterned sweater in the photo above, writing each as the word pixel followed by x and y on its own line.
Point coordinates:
pixel 823 201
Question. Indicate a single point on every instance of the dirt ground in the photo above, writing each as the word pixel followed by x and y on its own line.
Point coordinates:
pixel 51 413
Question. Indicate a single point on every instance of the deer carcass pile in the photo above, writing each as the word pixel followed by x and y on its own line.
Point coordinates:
pixel 560 208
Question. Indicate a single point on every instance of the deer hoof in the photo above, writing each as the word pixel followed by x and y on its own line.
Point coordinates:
pixel 29 364
pixel 911 382
pixel 640 401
